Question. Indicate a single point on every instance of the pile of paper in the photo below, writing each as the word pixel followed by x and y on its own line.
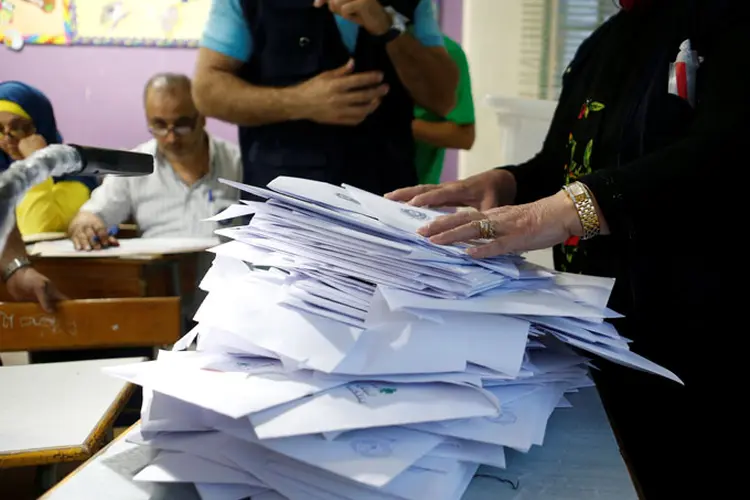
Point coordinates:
pixel 352 359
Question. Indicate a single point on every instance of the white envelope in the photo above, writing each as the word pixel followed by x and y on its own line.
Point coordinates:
pixel 368 405
pixel 518 426
pixel 520 302
pixel 176 467
pixel 373 457
pixel 232 394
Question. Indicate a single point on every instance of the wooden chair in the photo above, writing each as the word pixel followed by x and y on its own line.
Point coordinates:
pixel 90 324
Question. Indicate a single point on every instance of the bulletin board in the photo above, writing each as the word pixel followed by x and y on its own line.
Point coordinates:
pixel 43 22
pixel 161 23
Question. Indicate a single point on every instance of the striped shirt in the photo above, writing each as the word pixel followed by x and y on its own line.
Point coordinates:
pixel 161 203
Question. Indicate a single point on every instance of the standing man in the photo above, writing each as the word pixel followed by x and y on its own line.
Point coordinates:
pixel 434 133
pixel 325 89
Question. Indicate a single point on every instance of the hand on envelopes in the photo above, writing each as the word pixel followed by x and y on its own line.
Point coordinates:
pixel 484 191
pixel 512 228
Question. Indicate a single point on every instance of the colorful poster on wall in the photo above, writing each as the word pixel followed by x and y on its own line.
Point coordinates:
pixel 44 22
pixel 163 23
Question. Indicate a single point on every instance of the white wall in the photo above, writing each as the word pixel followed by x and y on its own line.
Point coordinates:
pixel 492 42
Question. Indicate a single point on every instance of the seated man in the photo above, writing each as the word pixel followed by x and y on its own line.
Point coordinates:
pixel 184 188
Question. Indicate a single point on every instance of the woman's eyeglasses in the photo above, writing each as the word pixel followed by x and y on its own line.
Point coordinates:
pixel 16 130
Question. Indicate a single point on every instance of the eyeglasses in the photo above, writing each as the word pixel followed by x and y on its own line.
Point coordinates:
pixel 16 130
pixel 183 126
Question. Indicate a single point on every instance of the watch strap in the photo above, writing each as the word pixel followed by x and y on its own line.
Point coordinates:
pixel 389 36
pixel 584 203
pixel 13 267
pixel 398 26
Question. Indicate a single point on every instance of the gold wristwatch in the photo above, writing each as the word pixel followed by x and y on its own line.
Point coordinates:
pixel 584 204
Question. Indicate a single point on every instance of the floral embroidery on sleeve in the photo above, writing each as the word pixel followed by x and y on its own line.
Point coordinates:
pixel 575 169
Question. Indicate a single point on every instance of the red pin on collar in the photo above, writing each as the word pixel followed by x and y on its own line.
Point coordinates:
pixel 634 4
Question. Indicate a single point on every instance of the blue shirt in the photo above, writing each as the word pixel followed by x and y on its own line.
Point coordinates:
pixel 227 32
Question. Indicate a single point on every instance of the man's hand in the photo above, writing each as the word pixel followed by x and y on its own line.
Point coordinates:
pixel 89 232
pixel 369 14
pixel 31 144
pixel 28 284
pixel 340 97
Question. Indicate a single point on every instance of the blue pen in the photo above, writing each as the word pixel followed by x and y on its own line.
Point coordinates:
pixel 211 202
pixel 112 231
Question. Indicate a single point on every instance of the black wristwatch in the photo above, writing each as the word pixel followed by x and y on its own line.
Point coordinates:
pixel 398 26
pixel 13 267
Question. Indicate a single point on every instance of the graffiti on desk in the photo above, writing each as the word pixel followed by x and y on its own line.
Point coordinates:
pixel 6 321
pixel 42 322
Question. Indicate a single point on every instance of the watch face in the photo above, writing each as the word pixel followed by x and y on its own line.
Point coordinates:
pixel 576 189
pixel 399 20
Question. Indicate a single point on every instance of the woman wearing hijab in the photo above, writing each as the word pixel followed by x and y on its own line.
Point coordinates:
pixel 27 124
pixel 633 181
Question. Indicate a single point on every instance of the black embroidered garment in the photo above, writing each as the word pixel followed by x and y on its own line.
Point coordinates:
pixel 663 174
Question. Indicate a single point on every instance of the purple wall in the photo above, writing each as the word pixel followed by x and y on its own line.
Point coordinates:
pixel 96 91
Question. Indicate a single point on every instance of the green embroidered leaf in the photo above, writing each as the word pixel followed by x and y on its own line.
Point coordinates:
pixel 587 155
pixel 573 168
pixel 596 106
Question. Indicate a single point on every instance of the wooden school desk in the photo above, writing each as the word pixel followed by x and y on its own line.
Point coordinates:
pixel 90 324
pixel 168 268
pixel 57 412
pixel 579 460
pixel 116 277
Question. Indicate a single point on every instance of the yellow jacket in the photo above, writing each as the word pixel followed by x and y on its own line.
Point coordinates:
pixel 50 206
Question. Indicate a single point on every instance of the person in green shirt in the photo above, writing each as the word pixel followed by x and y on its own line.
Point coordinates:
pixel 434 134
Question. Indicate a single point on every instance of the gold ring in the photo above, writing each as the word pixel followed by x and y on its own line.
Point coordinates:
pixel 486 231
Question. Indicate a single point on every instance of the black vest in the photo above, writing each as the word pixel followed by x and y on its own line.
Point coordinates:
pixel 293 42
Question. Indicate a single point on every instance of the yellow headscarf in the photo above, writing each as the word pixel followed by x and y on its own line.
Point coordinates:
pixel 12 107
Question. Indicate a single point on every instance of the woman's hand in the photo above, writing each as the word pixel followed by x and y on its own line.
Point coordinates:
pixel 31 144
pixel 483 191
pixel 518 228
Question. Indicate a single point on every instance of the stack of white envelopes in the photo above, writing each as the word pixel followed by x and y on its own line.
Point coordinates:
pixel 343 356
